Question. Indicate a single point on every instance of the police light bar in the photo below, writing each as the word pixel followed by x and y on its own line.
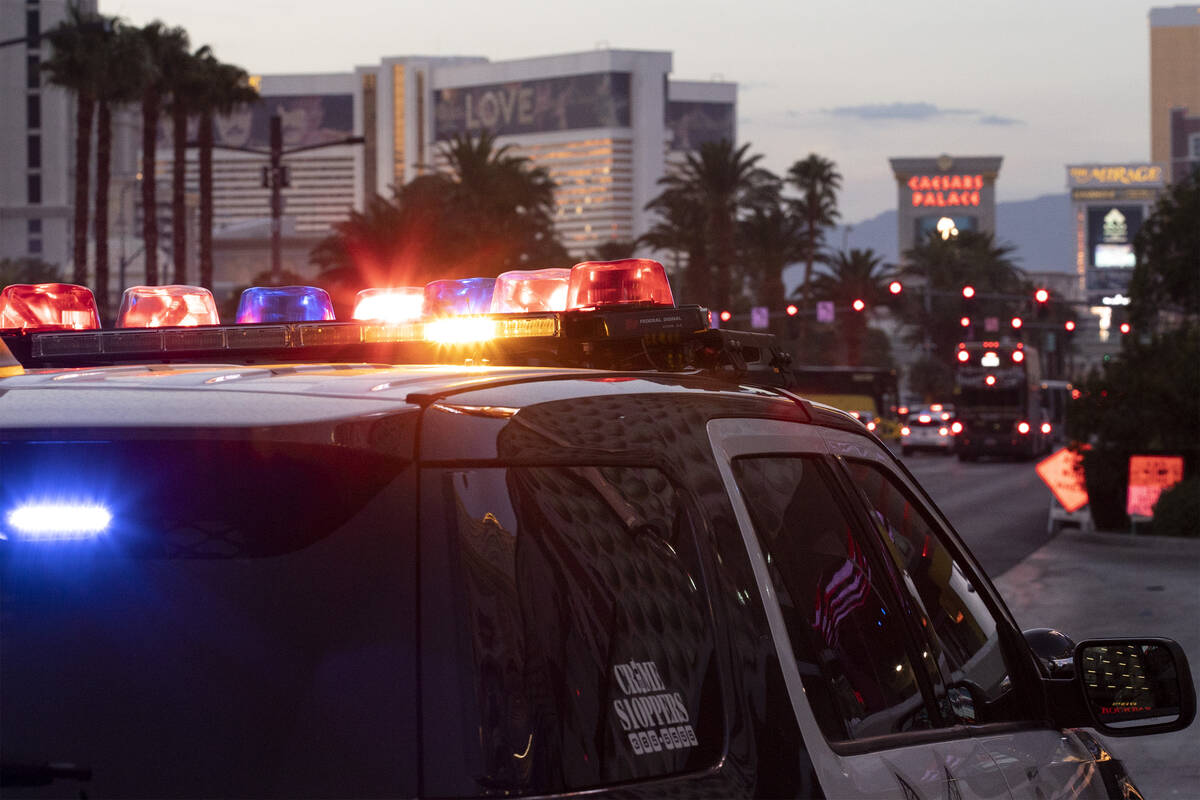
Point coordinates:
pixel 58 521
pixel 450 298
pixel 394 304
pixel 284 304
pixel 629 280
pixel 167 306
pixel 521 291
pixel 48 306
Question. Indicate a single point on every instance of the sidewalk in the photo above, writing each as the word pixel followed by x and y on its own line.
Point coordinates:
pixel 1109 584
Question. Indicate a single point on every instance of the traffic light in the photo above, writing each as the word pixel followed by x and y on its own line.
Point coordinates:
pixel 726 316
pixel 968 292
pixel 858 304
pixel 1017 322
pixel 895 287
pixel 792 310
pixel 1042 296
pixel 965 322
pixel 1069 326
pixel 1125 328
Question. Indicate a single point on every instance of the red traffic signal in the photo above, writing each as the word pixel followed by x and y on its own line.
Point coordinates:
pixel 858 305
pixel 965 322
pixel 1041 295
pixel 895 287
pixel 1017 322
pixel 968 292
pixel 792 310
pixel 1069 326
pixel 1125 327
pixel 726 316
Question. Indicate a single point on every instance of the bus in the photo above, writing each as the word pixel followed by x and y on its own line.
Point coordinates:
pixel 870 393
pixel 997 386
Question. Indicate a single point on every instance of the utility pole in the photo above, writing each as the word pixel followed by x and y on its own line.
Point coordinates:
pixel 277 179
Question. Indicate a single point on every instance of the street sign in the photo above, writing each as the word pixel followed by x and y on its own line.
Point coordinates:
pixel 1063 473
pixel 1149 477
pixel 824 311
pixel 760 317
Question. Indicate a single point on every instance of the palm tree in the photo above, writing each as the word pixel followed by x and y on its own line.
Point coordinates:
pixel 818 181
pixel 122 65
pixel 224 88
pixel 679 229
pixel 164 49
pixel 857 275
pixel 77 47
pixel 769 240
pixel 719 181
pixel 188 86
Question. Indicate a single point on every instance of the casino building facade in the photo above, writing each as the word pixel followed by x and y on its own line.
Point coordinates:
pixel 944 195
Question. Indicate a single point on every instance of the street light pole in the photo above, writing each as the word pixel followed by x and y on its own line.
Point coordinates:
pixel 276 178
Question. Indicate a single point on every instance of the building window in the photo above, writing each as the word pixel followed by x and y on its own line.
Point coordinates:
pixel 398 101
pixel 35 247
pixel 33 71
pixel 35 188
pixel 33 112
pixel 33 155
pixel 35 226
pixel 1194 147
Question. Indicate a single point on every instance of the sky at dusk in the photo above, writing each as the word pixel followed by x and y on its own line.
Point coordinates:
pixel 1042 84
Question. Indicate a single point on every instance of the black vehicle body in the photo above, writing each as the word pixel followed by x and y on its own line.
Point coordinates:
pixel 352 580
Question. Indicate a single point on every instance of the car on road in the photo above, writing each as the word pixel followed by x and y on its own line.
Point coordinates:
pixel 928 429
pixel 619 558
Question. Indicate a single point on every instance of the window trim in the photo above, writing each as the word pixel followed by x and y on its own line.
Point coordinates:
pixel 1027 671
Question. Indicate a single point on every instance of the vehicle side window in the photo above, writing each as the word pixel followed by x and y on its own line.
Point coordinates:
pixel 965 635
pixel 848 642
pixel 585 646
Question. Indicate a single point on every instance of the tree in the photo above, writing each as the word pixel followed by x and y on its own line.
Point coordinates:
pixel 187 83
pixel 714 184
pixel 817 180
pixel 679 229
pixel 165 48
pixel 612 250
pixel 769 239
pixel 1165 288
pixel 27 270
pixel 224 87
pixel 123 67
pixel 76 62
pixel 944 266
pixel 857 275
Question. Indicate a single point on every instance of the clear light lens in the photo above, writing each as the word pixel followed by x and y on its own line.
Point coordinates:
pixel 460 330
pixel 630 280
pixel 392 305
pixel 167 307
pixel 59 521
pixel 285 304
pixel 48 306
pixel 1022 427
pixel 990 359
pixel 522 291
pixel 465 296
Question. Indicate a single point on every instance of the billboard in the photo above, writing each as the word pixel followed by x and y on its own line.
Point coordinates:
pixel 1110 234
pixel 596 100
pixel 305 119
pixel 692 124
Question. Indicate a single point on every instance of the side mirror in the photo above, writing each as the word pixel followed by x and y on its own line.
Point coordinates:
pixel 1134 687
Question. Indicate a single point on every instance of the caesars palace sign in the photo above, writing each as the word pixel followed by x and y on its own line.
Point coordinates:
pixel 941 191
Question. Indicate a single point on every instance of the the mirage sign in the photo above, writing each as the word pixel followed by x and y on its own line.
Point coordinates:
pixel 598 100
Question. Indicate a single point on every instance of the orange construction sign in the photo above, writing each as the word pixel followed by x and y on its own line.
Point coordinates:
pixel 1063 473
pixel 1149 477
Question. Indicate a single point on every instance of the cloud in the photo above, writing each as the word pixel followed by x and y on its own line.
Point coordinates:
pixel 904 111
pixel 992 119
pixel 914 112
